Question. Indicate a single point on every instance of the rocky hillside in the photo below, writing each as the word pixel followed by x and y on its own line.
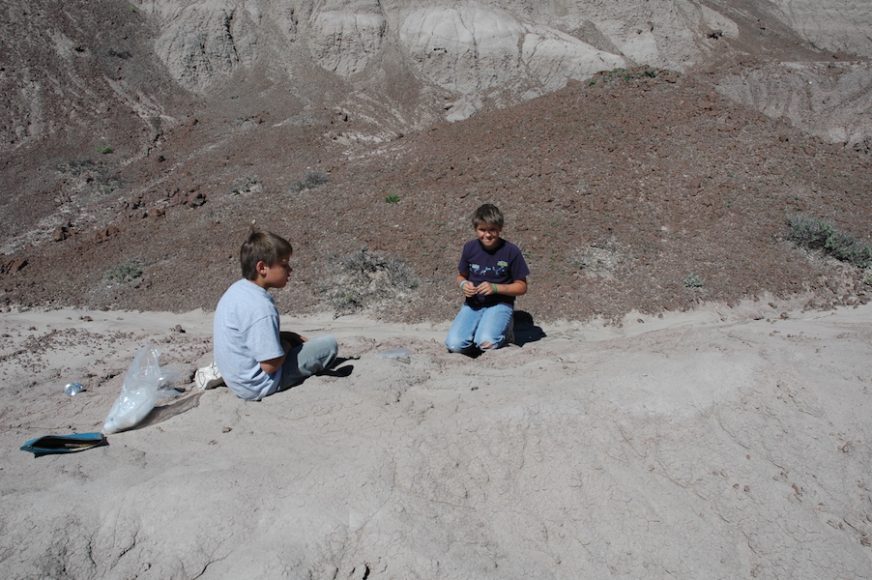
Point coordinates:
pixel 632 146
pixel 403 64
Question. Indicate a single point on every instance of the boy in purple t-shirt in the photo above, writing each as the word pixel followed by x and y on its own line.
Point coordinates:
pixel 491 273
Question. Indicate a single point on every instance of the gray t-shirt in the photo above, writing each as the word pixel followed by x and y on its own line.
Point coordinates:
pixel 246 332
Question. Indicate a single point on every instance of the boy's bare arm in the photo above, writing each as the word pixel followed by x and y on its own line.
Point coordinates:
pixel 272 365
pixel 289 340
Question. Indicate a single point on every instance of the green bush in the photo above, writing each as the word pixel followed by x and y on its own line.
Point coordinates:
pixel 392 198
pixel 364 278
pixel 845 248
pixel 809 233
pixel 816 234
pixel 693 281
pixel 312 180
pixel 124 272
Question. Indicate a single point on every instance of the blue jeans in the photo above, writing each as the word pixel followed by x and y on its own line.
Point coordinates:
pixel 306 359
pixel 478 326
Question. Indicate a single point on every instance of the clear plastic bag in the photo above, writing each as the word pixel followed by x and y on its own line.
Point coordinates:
pixel 139 393
pixel 169 384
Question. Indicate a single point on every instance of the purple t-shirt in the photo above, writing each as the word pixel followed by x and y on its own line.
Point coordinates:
pixel 503 265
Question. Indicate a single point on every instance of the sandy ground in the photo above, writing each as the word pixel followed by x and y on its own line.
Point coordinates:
pixel 720 443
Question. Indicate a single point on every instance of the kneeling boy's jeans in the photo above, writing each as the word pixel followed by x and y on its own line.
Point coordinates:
pixel 478 326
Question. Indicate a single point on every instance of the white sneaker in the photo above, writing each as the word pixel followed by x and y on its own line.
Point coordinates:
pixel 208 377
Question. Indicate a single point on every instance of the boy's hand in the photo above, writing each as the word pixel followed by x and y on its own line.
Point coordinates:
pixel 485 289
pixel 469 289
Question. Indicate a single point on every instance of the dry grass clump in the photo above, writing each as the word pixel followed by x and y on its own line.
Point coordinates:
pixel 815 234
pixel 367 279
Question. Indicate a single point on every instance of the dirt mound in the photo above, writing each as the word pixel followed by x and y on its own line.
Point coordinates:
pixel 686 194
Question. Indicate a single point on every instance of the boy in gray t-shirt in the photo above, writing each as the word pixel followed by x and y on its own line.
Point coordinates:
pixel 253 356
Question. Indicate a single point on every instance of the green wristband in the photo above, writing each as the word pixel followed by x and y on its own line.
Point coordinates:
pixel 494 288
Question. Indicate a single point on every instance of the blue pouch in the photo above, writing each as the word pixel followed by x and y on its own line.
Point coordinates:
pixel 72 443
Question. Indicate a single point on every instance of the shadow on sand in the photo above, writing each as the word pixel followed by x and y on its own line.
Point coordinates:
pixel 525 329
pixel 170 409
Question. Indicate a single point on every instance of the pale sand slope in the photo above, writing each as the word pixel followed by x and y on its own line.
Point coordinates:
pixel 700 445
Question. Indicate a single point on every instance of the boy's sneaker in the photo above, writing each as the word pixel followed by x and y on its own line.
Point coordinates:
pixel 208 377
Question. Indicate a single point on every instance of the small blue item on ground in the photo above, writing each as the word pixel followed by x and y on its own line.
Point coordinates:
pixel 72 443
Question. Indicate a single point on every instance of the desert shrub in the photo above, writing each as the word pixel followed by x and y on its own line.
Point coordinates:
pixel 392 198
pixel 600 259
pixel 624 74
pixel 867 277
pixel 246 185
pixel 365 279
pixel 105 150
pixel 312 180
pixel 815 234
pixel 693 281
pixel 90 176
pixel 845 248
pixel 808 232
pixel 77 168
pixel 125 272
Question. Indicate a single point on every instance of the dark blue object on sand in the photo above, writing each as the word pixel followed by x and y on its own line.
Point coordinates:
pixel 72 443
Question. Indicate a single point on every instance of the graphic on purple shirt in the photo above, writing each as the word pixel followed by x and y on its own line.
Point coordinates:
pixel 503 265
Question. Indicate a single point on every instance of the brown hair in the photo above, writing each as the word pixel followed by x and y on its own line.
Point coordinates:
pixel 488 214
pixel 261 245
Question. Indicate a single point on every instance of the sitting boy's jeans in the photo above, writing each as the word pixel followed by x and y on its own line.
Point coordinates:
pixel 478 326
pixel 306 359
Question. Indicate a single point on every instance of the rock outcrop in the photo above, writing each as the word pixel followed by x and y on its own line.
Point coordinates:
pixel 402 64
pixel 474 51
pixel 829 99
pixel 838 26
pixel 204 42
pixel 346 36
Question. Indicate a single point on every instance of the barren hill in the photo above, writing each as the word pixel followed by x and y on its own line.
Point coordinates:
pixel 628 145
